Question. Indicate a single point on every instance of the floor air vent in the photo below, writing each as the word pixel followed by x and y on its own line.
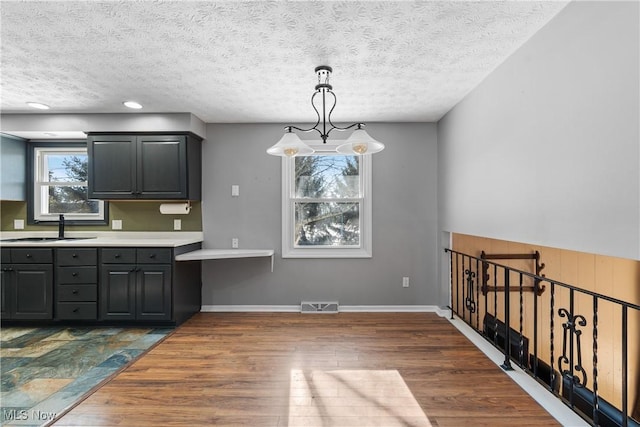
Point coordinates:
pixel 318 307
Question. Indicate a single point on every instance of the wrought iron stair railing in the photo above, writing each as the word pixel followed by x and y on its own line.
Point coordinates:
pixel 558 334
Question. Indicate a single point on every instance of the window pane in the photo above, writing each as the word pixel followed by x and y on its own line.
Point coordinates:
pixel 321 177
pixel 65 167
pixel 71 199
pixel 327 224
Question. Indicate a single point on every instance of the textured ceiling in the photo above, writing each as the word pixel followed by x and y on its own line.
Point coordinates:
pixel 254 61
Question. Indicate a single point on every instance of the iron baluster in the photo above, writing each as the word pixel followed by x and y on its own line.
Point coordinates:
pixel 463 289
pixel 485 281
pixel 625 368
pixel 535 328
pixel 451 281
pixel 507 329
pixel 596 403
pixel 495 307
pixel 521 341
pixel 469 303
pixel 552 376
pixel 570 329
pixel 477 293
pixel 457 283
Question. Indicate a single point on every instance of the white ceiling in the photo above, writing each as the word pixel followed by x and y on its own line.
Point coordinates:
pixel 254 61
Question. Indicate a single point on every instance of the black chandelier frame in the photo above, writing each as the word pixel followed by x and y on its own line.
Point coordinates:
pixel 324 88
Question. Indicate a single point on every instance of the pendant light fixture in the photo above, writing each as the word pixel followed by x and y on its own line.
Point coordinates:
pixel 359 143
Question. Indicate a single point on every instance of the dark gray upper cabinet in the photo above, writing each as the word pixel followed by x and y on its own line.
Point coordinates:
pixel 144 166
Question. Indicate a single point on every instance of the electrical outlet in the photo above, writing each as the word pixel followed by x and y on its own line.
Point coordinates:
pixel 18 224
pixel 116 224
pixel 234 243
pixel 405 282
pixel 177 224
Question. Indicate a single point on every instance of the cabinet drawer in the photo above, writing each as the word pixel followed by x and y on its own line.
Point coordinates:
pixel 31 256
pixel 118 255
pixel 70 256
pixel 6 256
pixel 154 256
pixel 77 293
pixel 71 275
pixel 77 310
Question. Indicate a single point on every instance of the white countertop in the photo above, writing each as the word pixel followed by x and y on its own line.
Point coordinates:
pixel 105 239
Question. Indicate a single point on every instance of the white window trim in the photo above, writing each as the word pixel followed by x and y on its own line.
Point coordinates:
pixel 289 250
pixel 39 199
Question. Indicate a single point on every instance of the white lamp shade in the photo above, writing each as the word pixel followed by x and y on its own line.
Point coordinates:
pixel 290 145
pixel 359 143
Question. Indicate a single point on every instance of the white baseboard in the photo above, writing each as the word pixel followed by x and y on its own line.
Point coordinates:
pixel 442 312
pixel 250 308
pixel 558 410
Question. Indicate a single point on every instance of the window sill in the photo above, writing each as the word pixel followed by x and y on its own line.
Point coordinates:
pixel 327 253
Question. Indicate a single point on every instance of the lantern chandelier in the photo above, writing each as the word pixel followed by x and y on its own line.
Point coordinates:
pixel 358 143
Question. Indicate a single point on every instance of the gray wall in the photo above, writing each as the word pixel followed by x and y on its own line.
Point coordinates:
pixel 546 149
pixel 405 231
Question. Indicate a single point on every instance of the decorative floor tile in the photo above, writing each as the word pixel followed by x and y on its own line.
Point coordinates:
pixel 12 333
pixel 46 370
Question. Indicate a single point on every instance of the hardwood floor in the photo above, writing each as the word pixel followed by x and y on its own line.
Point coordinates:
pixel 289 369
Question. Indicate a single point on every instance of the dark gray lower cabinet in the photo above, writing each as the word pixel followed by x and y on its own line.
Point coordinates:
pixel 76 284
pixel 100 285
pixel 136 291
pixel 27 286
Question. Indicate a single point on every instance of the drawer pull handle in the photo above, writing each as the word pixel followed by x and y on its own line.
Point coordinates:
pixel 116 256
pixel 75 310
pixel 75 292
pixel 152 256
pixel 74 274
pixel 74 256
pixel 29 256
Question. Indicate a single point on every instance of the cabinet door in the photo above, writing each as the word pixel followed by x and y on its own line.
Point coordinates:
pixel 33 292
pixel 117 292
pixel 162 167
pixel 7 285
pixel 154 292
pixel 112 166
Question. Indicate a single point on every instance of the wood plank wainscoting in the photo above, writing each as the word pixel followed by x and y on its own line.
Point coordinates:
pixel 290 369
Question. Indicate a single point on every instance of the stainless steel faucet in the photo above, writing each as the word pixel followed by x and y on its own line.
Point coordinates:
pixel 61 227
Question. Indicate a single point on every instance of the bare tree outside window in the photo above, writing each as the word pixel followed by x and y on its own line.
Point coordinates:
pixel 70 197
pixel 60 185
pixel 327 201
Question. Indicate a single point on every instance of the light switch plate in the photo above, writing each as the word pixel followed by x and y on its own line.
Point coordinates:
pixel 116 224
pixel 235 190
pixel 18 224
pixel 177 224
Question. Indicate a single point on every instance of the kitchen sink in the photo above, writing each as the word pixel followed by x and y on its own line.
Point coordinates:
pixel 44 239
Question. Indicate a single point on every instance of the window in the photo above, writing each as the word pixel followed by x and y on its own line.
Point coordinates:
pixel 326 206
pixel 58 185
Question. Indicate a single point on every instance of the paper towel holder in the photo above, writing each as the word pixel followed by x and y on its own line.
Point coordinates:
pixel 175 208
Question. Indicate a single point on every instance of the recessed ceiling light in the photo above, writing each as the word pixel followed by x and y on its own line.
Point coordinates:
pixel 132 104
pixel 38 105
